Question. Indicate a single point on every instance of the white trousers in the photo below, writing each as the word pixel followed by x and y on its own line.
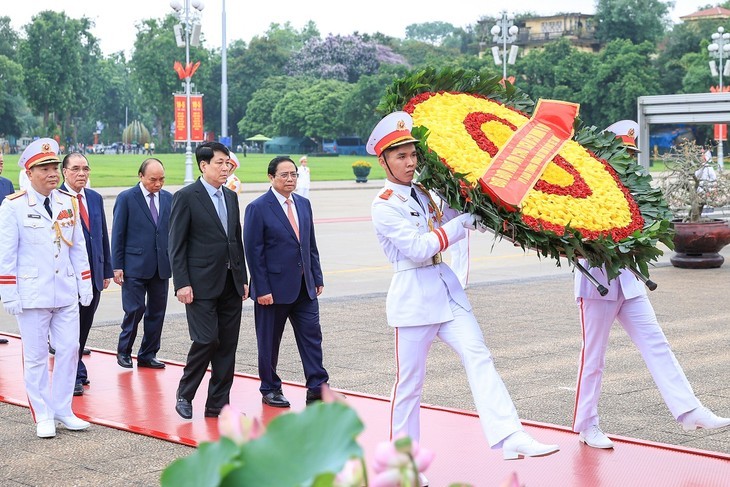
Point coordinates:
pixel 496 411
pixel 50 395
pixel 460 259
pixel 637 317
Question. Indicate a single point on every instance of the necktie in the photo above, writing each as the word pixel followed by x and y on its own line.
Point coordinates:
pixel 153 208
pixel 47 204
pixel 83 213
pixel 414 195
pixel 290 215
pixel 222 213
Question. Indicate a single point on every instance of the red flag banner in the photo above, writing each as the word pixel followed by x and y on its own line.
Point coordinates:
pixel 196 118
pixel 521 162
pixel 720 131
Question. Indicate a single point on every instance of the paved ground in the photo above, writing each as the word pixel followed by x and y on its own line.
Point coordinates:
pixel 524 305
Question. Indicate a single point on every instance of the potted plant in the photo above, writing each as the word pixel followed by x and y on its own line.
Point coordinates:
pixel 691 187
pixel 361 170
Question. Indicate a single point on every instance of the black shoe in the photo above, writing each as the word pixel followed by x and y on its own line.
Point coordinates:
pixel 86 352
pixel 3 340
pixel 184 408
pixel 275 399
pixel 51 350
pixel 150 364
pixel 86 382
pixel 79 389
pixel 124 360
pixel 313 395
pixel 212 412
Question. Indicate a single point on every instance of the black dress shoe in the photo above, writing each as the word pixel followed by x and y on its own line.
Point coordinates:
pixel 79 389
pixel 86 382
pixel 313 396
pixel 124 360
pixel 275 399
pixel 184 408
pixel 3 340
pixel 151 364
pixel 212 412
pixel 86 351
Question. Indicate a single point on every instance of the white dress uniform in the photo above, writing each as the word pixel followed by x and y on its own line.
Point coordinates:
pixel 627 303
pixel 44 270
pixel 233 183
pixel 425 301
pixel 303 181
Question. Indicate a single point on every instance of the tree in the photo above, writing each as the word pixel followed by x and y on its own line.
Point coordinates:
pixel 343 58
pixel 357 114
pixel 636 20
pixel 432 32
pixel 8 39
pixel 56 55
pixel 559 71
pixel 260 109
pixel 622 72
pixel 11 99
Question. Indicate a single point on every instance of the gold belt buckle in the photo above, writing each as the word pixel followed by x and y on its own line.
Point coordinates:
pixel 436 259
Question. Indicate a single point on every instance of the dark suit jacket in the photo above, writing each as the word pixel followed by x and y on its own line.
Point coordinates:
pixel 139 247
pixel 200 252
pixel 6 188
pixel 97 242
pixel 275 257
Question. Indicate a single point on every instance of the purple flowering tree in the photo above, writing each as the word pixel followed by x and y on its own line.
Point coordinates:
pixel 342 58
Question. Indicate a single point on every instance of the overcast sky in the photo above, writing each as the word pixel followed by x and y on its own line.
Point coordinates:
pixel 115 21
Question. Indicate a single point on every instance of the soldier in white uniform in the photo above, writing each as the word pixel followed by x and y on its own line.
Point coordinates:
pixel 233 183
pixel 425 299
pixel 44 274
pixel 627 303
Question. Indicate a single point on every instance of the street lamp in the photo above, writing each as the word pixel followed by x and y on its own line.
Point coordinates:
pixel 504 32
pixel 719 50
pixel 187 33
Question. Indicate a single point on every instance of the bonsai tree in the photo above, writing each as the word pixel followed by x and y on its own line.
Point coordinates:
pixel 691 183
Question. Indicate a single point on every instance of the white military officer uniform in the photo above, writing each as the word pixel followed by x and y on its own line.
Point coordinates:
pixel 426 300
pixel 233 183
pixel 627 303
pixel 44 274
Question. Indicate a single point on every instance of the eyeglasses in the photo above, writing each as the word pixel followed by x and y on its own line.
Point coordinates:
pixel 76 169
pixel 287 175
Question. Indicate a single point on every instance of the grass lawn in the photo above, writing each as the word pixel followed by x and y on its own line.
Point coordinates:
pixel 121 169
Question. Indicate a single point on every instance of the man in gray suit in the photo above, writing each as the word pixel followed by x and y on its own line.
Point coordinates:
pixel 209 277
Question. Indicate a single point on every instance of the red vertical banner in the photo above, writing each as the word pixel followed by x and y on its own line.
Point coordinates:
pixel 720 131
pixel 180 119
pixel 196 118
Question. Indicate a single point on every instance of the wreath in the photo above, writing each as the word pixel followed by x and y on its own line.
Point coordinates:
pixel 592 201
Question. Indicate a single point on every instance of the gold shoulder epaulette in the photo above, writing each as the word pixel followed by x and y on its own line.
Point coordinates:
pixel 386 194
pixel 17 194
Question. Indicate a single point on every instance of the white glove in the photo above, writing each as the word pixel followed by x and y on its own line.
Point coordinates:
pixel 85 299
pixel 469 221
pixel 13 307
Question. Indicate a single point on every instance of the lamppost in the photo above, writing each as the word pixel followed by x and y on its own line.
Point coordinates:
pixel 504 32
pixel 187 33
pixel 719 50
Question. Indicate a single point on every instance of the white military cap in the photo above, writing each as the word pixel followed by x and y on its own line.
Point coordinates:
pixel 41 151
pixel 627 131
pixel 392 131
pixel 234 160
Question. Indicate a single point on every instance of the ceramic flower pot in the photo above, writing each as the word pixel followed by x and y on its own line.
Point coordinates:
pixel 697 245
pixel 361 174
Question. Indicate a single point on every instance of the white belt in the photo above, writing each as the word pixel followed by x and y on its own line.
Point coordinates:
pixel 405 265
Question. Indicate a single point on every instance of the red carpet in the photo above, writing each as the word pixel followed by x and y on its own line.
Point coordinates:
pixel 142 401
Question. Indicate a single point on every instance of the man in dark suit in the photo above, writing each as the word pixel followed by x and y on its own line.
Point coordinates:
pixel 209 277
pixel 75 168
pixel 141 263
pixel 286 279
pixel 6 188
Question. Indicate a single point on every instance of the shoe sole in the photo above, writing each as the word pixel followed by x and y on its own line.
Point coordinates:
pixel 582 440
pixel 513 455
pixel 281 406
pixel 70 428
pixel 124 365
